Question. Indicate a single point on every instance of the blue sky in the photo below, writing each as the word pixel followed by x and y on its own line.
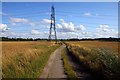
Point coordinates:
pixel 78 19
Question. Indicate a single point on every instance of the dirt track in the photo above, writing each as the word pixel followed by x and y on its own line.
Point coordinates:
pixel 54 67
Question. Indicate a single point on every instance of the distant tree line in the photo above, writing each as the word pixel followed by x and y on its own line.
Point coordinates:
pixel 72 39
pixel 95 39
pixel 19 39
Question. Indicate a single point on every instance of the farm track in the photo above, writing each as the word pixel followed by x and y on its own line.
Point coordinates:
pixel 54 67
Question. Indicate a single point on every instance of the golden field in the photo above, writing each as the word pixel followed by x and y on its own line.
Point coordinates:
pixel 25 59
pixel 97 44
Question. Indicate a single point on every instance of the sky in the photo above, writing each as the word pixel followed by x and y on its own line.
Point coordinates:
pixel 73 19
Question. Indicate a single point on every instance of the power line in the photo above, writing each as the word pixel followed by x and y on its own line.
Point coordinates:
pixel 83 13
pixel 46 12
pixel 26 8
pixel 89 17
pixel 81 16
pixel 82 22
pixel 39 12
pixel 87 7
pixel 62 14
pixel 24 14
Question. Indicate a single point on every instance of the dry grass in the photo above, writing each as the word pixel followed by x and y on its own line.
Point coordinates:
pixel 68 68
pixel 97 44
pixel 101 57
pixel 11 48
pixel 25 59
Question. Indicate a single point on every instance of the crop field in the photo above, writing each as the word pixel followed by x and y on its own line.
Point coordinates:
pixel 97 44
pixel 101 57
pixel 25 59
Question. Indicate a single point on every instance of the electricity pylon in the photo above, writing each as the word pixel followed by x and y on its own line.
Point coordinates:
pixel 52 25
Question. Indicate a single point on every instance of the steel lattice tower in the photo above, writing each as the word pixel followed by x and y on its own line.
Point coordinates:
pixel 52 25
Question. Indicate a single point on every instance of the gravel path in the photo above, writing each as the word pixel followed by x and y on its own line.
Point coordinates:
pixel 54 67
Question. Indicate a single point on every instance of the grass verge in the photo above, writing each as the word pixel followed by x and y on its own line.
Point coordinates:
pixel 68 68
pixel 100 60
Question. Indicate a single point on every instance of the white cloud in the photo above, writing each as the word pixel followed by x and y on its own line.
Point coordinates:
pixel 62 20
pixel 87 34
pixel 66 35
pixel 47 21
pixel 3 27
pixel 21 20
pixel 65 27
pixel 80 27
pixel 97 35
pixel 69 27
pixel 14 20
pixel 8 34
pixel 64 30
pixel 3 35
pixel 104 28
pixel 59 26
pixel 35 32
pixel 105 31
pixel 87 14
